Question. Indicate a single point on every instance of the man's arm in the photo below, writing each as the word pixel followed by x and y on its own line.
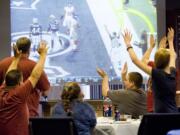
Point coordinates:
pixel 172 62
pixel 162 43
pixel 17 56
pixel 124 72
pixel 105 82
pixel 148 52
pixel 127 39
pixel 38 69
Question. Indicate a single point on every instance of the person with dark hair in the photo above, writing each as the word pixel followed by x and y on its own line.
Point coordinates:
pixel 14 115
pixel 131 100
pixel 26 66
pixel 163 75
pixel 72 104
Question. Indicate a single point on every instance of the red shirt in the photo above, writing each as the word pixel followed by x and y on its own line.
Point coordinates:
pixel 150 106
pixel 14 113
pixel 26 66
pixel 149 101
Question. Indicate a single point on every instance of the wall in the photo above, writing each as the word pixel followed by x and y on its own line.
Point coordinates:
pixel 4 28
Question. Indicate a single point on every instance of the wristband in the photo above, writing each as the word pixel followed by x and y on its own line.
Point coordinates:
pixel 129 48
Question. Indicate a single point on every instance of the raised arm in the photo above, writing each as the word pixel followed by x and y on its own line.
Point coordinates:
pixel 105 81
pixel 124 72
pixel 17 56
pixel 127 39
pixel 148 52
pixel 38 69
pixel 105 26
pixel 171 48
pixel 162 43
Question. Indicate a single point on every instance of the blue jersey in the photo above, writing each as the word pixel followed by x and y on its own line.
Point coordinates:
pixel 35 29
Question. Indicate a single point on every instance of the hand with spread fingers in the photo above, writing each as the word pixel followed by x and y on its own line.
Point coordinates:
pixel 42 47
pixel 152 41
pixel 17 53
pixel 127 38
pixel 101 72
pixel 162 43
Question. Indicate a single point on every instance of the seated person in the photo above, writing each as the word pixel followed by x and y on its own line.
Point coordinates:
pixel 14 93
pixel 72 104
pixel 131 100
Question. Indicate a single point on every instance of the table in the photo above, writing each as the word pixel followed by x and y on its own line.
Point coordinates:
pixel 129 127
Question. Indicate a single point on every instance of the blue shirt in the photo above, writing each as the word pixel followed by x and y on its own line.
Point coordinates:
pixel 83 114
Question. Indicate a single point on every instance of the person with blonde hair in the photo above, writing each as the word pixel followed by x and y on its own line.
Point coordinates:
pixel 163 75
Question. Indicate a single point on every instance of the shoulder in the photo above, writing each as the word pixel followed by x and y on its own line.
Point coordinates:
pixel 117 92
pixel 157 73
pixel 173 70
pixel 58 109
pixel 25 86
pixel 83 106
pixel 6 60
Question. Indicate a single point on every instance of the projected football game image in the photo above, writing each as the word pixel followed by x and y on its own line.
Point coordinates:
pixel 84 34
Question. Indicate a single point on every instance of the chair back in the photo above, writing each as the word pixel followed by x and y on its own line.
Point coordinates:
pixel 159 123
pixel 52 126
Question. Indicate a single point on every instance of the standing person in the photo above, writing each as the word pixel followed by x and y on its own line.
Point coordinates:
pixel 26 66
pixel 145 59
pixel 131 100
pixel 68 15
pixel 53 29
pixel 72 104
pixel 163 76
pixel 35 33
pixel 73 33
pixel 14 93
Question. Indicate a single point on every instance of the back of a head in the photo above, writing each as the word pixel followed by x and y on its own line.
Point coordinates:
pixel 71 92
pixel 162 58
pixel 13 78
pixel 136 78
pixel 23 44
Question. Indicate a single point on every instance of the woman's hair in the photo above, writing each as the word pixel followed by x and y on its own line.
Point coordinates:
pixel 162 58
pixel 136 78
pixel 71 92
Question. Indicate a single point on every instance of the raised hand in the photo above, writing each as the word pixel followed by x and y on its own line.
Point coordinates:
pixel 127 38
pixel 124 69
pixel 170 35
pixel 162 43
pixel 42 47
pixel 152 41
pixel 101 72
pixel 17 53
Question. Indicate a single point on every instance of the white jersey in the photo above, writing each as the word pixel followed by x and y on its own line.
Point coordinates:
pixel 69 11
pixel 73 29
